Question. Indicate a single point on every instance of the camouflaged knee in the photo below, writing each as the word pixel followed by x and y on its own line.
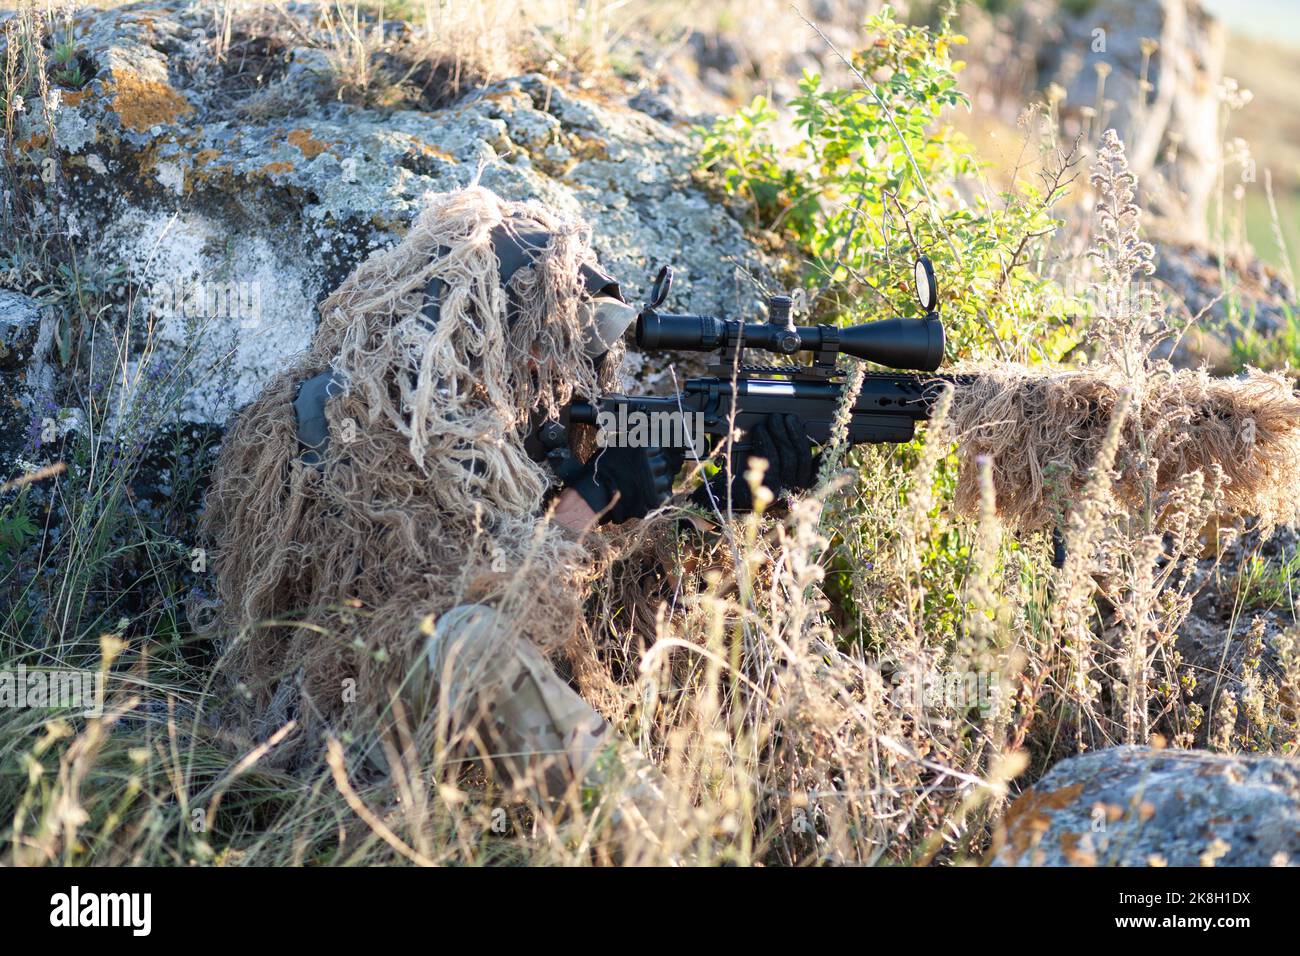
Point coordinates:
pixel 494 685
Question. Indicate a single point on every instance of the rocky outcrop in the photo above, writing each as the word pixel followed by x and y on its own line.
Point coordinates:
pixel 1135 806
pixel 1152 70
pixel 234 213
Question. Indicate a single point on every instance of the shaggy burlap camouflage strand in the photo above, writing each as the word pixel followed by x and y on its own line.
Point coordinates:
pixel 1041 429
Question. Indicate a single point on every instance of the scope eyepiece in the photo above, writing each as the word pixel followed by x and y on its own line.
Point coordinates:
pixel 690 333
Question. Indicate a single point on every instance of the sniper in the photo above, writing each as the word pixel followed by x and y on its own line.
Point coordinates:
pixel 406 558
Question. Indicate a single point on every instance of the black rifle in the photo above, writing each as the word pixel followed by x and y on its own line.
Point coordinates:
pixel 739 396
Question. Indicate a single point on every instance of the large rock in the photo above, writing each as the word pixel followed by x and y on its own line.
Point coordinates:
pixel 235 213
pixel 1060 50
pixel 1170 126
pixel 27 378
pixel 1135 806
pixel 1049 49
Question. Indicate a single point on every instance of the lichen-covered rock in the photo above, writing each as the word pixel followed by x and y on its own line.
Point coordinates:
pixel 1136 806
pixel 1193 277
pixel 20 328
pixel 26 337
pixel 236 218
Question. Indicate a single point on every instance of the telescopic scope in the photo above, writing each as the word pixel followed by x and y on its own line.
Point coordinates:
pixel 905 344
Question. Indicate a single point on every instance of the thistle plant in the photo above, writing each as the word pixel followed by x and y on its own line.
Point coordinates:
pixel 1129 321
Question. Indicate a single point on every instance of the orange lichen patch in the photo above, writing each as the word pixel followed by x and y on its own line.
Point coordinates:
pixel 588 148
pixel 143 103
pixel 1029 817
pixel 272 169
pixel 73 97
pixel 146 160
pixel 438 152
pixel 1073 853
pixel 35 141
pixel 307 145
pixel 204 169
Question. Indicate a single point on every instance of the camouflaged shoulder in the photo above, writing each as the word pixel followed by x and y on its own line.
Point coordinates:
pixel 514 249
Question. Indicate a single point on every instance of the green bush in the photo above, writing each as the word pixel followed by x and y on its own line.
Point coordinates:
pixel 876 176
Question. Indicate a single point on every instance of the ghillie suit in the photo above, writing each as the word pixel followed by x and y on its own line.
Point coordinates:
pixel 1042 430
pixel 332 572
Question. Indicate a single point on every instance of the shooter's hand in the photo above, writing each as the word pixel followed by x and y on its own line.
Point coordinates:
pixel 635 480
pixel 781 439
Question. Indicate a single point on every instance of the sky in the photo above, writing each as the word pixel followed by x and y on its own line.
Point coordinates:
pixel 1277 20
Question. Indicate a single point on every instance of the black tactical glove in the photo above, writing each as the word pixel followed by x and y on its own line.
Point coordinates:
pixel 642 478
pixel 783 440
